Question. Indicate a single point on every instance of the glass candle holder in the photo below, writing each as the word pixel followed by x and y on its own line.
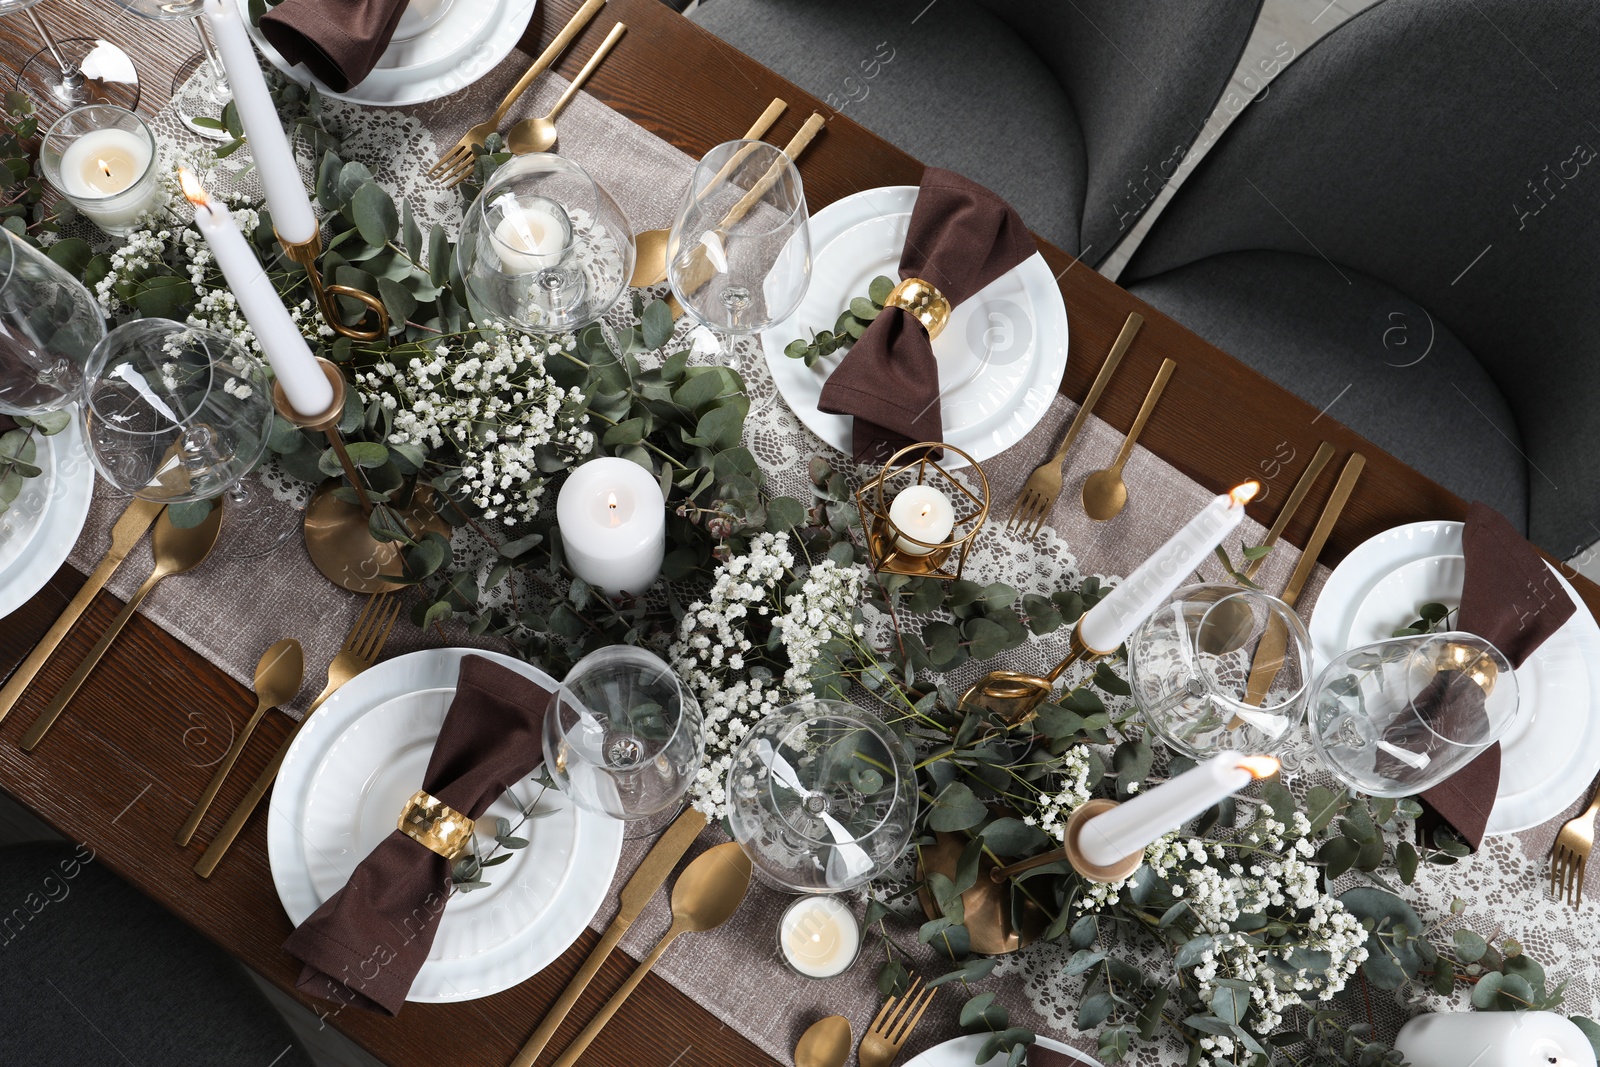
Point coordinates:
pixel 103 159
pixel 818 937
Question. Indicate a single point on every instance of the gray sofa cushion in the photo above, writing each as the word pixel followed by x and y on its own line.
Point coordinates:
pixel 1376 360
pixel 959 90
pixel 95 973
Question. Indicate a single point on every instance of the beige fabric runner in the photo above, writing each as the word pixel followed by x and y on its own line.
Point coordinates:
pixel 230 610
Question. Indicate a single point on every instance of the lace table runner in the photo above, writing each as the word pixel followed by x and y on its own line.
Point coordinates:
pixel 230 610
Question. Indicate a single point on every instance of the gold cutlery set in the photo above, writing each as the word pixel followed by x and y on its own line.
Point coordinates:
pixel 826 1043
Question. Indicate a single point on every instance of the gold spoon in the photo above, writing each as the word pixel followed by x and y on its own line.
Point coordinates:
pixel 1105 494
pixel 278 677
pixel 706 895
pixel 539 135
pixel 650 247
pixel 175 551
pixel 825 1044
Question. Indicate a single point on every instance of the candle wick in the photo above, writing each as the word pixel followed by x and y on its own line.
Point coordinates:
pixel 105 167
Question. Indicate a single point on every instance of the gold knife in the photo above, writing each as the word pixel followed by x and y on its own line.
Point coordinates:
pixel 660 861
pixel 129 528
pixel 1269 653
pixel 1297 497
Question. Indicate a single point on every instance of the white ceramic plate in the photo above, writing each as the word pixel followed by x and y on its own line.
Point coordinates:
pixel 962 1051
pixel 341 788
pixel 1019 319
pixel 46 518
pixel 1553 752
pixel 440 47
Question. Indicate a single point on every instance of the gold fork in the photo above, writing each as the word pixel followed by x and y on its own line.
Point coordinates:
pixel 887 1035
pixel 1043 487
pixel 359 652
pixel 454 166
pixel 1570 860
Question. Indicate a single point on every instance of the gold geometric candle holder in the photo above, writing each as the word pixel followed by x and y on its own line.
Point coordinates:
pixel 886 542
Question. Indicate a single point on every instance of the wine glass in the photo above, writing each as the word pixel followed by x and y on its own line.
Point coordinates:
pixel 543 247
pixel 49 326
pixel 623 738
pixel 73 71
pixel 1396 718
pixel 821 796
pixel 200 86
pixel 739 254
pixel 1221 668
pixel 178 413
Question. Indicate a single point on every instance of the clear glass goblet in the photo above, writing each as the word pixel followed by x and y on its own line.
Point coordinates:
pixel 1221 668
pixel 1396 718
pixel 739 253
pixel 49 325
pixel 543 247
pixel 176 413
pixel 822 797
pixel 200 85
pixel 69 72
pixel 623 738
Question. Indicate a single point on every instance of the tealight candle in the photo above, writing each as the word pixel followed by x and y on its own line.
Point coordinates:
pixel 1126 829
pixel 923 512
pixel 533 233
pixel 1105 626
pixel 613 522
pixel 101 158
pixel 818 937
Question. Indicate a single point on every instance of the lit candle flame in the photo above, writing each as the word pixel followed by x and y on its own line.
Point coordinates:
pixel 1240 495
pixel 1259 766
pixel 105 167
pixel 192 189
pixel 611 503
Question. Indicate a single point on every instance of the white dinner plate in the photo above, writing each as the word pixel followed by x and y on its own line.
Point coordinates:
pixel 341 788
pixel 440 47
pixel 962 1051
pixel 1552 753
pixel 1019 319
pixel 38 531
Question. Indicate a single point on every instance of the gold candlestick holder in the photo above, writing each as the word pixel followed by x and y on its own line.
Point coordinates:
pixel 306 253
pixel 887 543
pixel 338 534
pixel 1014 697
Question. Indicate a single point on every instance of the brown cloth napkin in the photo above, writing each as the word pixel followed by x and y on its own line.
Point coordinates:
pixel 366 943
pixel 961 238
pixel 339 41
pixel 1509 598
pixel 7 423
pixel 1044 1057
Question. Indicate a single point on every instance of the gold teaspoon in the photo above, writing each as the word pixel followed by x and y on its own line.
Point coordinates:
pixel 278 677
pixel 825 1044
pixel 706 895
pixel 1105 494
pixel 176 551
pixel 539 135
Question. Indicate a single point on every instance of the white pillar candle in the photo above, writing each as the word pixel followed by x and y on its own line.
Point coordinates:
pixel 1105 626
pixel 291 210
pixel 923 512
pixel 613 522
pixel 104 174
pixel 1126 829
pixel 531 235
pixel 1494 1039
pixel 819 937
pixel 304 384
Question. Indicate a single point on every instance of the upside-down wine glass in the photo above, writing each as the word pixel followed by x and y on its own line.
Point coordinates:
pixel 70 72
pixel 200 86
pixel 623 738
pixel 178 414
pixel 739 254
pixel 49 326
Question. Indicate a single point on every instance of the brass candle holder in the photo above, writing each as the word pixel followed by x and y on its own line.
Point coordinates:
pixel 1014 697
pixel 306 253
pixel 886 541
pixel 338 535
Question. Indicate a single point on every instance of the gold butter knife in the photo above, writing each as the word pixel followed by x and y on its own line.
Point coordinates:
pixel 660 861
pixel 1269 653
pixel 129 528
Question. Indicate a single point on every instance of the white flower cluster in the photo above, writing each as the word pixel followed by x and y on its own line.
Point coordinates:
pixel 720 641
pixel 495 404
pixel 1055 809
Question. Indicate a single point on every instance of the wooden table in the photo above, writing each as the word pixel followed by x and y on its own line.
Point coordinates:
pixel 116 772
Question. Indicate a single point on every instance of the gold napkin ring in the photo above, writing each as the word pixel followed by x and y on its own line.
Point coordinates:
pixel 436 825
pixel 924 301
